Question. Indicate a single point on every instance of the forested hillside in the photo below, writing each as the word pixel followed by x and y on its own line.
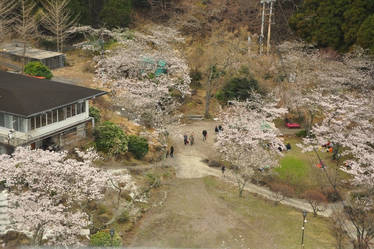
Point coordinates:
pixel 336 23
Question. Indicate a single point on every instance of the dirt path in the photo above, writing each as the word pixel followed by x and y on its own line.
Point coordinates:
pixel 188 161
pixel 191 217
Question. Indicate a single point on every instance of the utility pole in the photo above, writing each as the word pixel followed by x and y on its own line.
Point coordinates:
pixel 261 39
pixel 269 27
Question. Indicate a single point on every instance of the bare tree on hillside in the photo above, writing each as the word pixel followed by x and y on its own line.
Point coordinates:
pixel 25 25
pixel 57 18
pixel 225 54
pixel 6 7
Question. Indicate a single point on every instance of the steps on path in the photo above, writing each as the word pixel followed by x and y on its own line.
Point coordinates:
pixel 4 218
pixel 195 117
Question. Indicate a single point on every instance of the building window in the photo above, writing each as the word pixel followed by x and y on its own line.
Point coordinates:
pixel 68 111
pixel 49 118
pixel 73 109
pixel 8 121
pixel 81 107
pixel 61 114
pixel 2 122
pixel 32 123
pixel 54 116
pixel 37 121
pixel 18 124
pixel 44 119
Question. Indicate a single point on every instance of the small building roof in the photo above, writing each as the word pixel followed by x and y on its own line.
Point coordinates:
pixel 34 53
pixel 26 96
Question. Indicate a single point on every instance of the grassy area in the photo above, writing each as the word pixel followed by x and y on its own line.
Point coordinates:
pixel 300 169
pixel 293 169
pixel 269 225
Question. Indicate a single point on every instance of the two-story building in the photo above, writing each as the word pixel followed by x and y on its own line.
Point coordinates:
pixel 40 113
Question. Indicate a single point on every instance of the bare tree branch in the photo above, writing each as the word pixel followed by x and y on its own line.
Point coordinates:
pixel 57 18
pixel 6 7
pixel 25 25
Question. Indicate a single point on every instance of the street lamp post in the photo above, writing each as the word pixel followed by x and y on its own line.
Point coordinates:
pixel 303 229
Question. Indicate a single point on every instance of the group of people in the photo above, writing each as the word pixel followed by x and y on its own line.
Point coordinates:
pixel 218 129
pixel 191 140
pixel 170 152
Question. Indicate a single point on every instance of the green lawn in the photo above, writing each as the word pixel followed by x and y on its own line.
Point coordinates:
pixel 272 226
pixel 300 169
pixel 293 169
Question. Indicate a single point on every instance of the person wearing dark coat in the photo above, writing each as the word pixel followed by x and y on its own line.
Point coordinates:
pixel 223 170
pixel 288 146
pixel 172 151
pixel 185 138
pixel 220 128
pixel 205 134
pixel 216 130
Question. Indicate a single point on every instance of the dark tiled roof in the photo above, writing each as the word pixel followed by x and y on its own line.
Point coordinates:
pixel 24 96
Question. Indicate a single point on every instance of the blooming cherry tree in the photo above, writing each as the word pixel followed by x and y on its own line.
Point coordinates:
pixel 145 74
pixel 47 191
pixel 348 126
pixel 249 138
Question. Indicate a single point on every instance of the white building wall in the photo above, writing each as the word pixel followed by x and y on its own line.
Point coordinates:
pixel 19 138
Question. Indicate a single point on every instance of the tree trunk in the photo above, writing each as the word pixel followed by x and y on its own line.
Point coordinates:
pixel 23 57
pixel 208 93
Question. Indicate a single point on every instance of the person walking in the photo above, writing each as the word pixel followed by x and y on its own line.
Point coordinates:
pixel 167 153
pixel 216 130
pixel 192 139
pixel 185 139
pixel 172 151
pixel 205 134
pixel 223 170
pixel 220 128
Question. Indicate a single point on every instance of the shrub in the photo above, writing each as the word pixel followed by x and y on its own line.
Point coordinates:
pixel 138 146
pixel 365 36
pixel 336 24
pixel 283 189
pixel 237 88
pixel 116 13
pixel 36 68
pixel 301 133
pixel 331 194
pixel 141 4
pixel 103 238
pixel 95 113
pixel 111 139
pixel 153 180
pixel 196 77
pixel 123 217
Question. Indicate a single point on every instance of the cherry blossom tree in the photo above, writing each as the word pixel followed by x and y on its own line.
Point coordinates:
pixel 146 75
pixel 348 127
pixel 249 138
pixel 48 192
